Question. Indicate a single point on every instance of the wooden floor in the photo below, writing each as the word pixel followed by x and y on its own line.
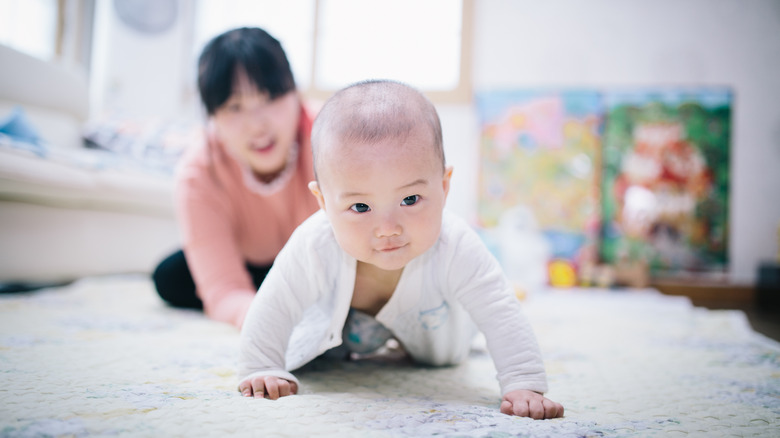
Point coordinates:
pixel 763 319
pixel 765 322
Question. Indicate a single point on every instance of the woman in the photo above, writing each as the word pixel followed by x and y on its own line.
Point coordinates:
pixel 239 198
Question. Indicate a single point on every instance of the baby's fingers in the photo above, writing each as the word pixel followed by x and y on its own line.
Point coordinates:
pixel 535 409
pixel 276 387
pixel 519 408
pixel 552 409
pixel 271 387
pixel 524 408
pixel 254 387
pixel 525 403
pixel 245 388
pixel 506 407
pixel 267 387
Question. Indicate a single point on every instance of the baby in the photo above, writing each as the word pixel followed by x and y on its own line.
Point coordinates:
pixel 383 259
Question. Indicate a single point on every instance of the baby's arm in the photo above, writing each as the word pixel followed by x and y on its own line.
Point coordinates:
pixel 524 403
pixel 276 309
pixel 483 289
pixel 271 387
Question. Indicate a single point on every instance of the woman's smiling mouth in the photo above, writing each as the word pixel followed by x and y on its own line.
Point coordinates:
pixel 263 149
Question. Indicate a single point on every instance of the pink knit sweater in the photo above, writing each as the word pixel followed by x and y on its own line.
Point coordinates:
pixel 226 223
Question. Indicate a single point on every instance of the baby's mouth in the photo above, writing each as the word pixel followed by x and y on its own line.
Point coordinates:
pixel 390 248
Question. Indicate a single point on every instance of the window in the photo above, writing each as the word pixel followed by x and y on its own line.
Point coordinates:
pixel 332 43
pixel 289 21
pixel 30 26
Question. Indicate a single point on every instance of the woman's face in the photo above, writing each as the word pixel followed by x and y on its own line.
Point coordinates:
pixel 258 131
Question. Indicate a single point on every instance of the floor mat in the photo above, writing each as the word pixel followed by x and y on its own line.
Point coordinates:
pixel 104 356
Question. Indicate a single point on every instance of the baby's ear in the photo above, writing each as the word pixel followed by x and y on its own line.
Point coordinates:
pixel 314 188
pixel 446 180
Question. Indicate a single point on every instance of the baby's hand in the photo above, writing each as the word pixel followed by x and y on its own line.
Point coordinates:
pixel 524 403
pixel 267 387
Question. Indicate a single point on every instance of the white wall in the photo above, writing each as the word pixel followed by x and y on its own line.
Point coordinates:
pixel 567 43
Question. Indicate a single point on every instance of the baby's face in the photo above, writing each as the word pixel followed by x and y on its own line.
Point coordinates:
pixel 384 200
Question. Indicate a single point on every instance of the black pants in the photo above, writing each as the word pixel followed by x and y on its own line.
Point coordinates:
pixel 175 285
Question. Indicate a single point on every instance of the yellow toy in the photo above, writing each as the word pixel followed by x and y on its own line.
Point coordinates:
pixel 562 273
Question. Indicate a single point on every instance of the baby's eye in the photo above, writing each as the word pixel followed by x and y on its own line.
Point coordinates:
pixel 410 200
pixel 360 208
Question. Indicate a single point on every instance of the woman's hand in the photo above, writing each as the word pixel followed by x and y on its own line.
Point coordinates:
pixel 524 403
pixel 270 387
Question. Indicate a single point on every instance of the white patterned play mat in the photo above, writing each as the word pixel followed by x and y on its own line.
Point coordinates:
pixel 104 357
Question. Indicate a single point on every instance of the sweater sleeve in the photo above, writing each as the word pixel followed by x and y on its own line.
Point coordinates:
pixel 482 288
pixel 221 278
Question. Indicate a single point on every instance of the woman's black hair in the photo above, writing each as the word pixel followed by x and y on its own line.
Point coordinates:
pixel 250 48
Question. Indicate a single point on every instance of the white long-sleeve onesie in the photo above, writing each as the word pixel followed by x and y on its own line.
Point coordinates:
pixel 301 307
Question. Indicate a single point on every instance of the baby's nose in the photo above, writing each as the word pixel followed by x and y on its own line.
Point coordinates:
pixel 389 226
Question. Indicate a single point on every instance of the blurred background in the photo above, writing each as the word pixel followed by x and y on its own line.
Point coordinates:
pixel 605 141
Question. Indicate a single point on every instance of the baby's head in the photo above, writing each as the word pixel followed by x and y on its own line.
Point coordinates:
pixel 370 111
pixel 381 174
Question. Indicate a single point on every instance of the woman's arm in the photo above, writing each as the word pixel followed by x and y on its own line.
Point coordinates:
pixel 215 261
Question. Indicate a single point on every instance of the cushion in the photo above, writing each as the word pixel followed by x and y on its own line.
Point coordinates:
pixel 17 126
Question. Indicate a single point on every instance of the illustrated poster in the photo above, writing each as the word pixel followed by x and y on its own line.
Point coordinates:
pixel 540 150
pixel 665 179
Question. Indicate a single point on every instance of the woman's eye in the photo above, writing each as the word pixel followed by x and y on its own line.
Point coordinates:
pixel 410 200
pixel 360 208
